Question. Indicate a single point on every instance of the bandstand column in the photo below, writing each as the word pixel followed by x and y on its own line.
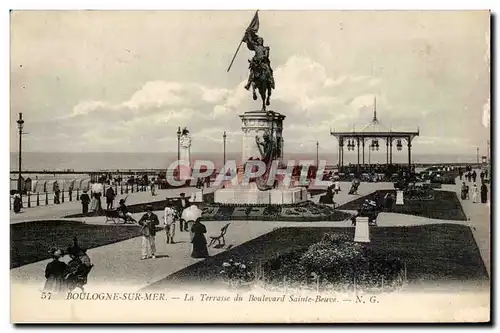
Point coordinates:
pixel 387 151
pixel 342 153
pixel 390 151
pixel 363 151
pixel 357 141
pixel 409 153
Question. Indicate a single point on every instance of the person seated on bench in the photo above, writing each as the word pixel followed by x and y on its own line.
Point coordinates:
pixel 124 213
pixel 78 267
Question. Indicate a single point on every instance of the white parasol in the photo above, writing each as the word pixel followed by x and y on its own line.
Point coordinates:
pixel 192 213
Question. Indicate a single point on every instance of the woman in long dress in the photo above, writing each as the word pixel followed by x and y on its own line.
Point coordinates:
pixel 54 273
pixel 475 193
pixel 484 193
pixel 199 241
pixel 17 202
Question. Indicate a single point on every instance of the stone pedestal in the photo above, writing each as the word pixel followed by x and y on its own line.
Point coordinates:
pixel 251 195
pixel 362 231
pixel 399 198
pixel 256 123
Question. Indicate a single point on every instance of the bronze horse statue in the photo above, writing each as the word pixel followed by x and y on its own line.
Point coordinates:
pixel 261 82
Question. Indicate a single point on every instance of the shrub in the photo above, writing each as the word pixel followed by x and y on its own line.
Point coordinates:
pixel 237 273
pixel 334 262
pixel 334 256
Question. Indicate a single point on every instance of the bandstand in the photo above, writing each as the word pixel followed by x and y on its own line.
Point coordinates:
pixel 373 132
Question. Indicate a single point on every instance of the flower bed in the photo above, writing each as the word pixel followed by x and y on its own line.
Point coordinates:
pixel 336 261
pixel 305 211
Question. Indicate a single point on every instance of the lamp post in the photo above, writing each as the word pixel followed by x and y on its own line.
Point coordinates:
pixel 178 149
pixel 317 154
pixel 477 156
pixel 224 136
pixel 20 125
pixel 489 161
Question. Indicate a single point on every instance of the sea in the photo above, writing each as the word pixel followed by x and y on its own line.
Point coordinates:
pixel 96 161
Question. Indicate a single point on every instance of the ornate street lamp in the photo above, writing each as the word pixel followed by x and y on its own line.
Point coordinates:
pixel 224 136
pixel 317 153
pixel 399 145
pixel 178 149
pixel 20 125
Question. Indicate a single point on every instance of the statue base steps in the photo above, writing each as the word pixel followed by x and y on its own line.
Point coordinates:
pixel 251 195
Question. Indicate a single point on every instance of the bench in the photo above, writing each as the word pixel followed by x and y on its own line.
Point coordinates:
pixel 223 231
pixel 113 216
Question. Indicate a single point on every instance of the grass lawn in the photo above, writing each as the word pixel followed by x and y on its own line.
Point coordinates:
pixel 445 252
pixel 445 206
pixel 30 242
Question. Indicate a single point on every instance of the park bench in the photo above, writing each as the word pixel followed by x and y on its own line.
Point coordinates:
pixel 113 216
pixel 218 239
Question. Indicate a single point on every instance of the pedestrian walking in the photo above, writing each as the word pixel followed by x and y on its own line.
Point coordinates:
pixel 182 204
pixel 110 198
pixel 169 220
pixel 85 200
pixel 148 221
pixel 57 193
pixel 484 193
pixel 475 193
pixel 17 202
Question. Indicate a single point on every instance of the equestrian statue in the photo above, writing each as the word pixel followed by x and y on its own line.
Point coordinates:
pixel 261 74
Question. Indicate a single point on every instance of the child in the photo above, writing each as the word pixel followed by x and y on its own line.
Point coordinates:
pixel 54 273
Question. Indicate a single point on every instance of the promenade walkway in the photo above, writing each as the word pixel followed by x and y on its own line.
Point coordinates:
pixel 75 207
pixel 121 263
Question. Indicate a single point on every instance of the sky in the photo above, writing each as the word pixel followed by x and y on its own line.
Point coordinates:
pixel 123 81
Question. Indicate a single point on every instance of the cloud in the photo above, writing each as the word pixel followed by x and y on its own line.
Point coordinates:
pixel 486 114
pixel 148 119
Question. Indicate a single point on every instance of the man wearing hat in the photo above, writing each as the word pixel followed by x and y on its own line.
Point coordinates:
pixel 149 221
pixel 170 217
pixel 123 211
pixel 183 203
pixel 85 200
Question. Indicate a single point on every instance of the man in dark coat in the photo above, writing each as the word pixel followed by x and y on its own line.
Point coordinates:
pixel 182 204
pixel 149 221
pixel 484 193
pixel 474 176
pixel 110 197
pixel 85 200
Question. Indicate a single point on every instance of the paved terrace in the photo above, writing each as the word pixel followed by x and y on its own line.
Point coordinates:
pixel 121 261
pixel 75 207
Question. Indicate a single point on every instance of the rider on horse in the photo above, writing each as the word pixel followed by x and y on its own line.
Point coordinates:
pixel 260 59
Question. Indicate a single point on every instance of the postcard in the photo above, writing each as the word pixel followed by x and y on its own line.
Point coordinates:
pixel 250 166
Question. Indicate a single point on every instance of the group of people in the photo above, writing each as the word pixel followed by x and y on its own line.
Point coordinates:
pixel 64 277
pixel 94 199
pixel 202 182
pixel 173 213
pixel 474 192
